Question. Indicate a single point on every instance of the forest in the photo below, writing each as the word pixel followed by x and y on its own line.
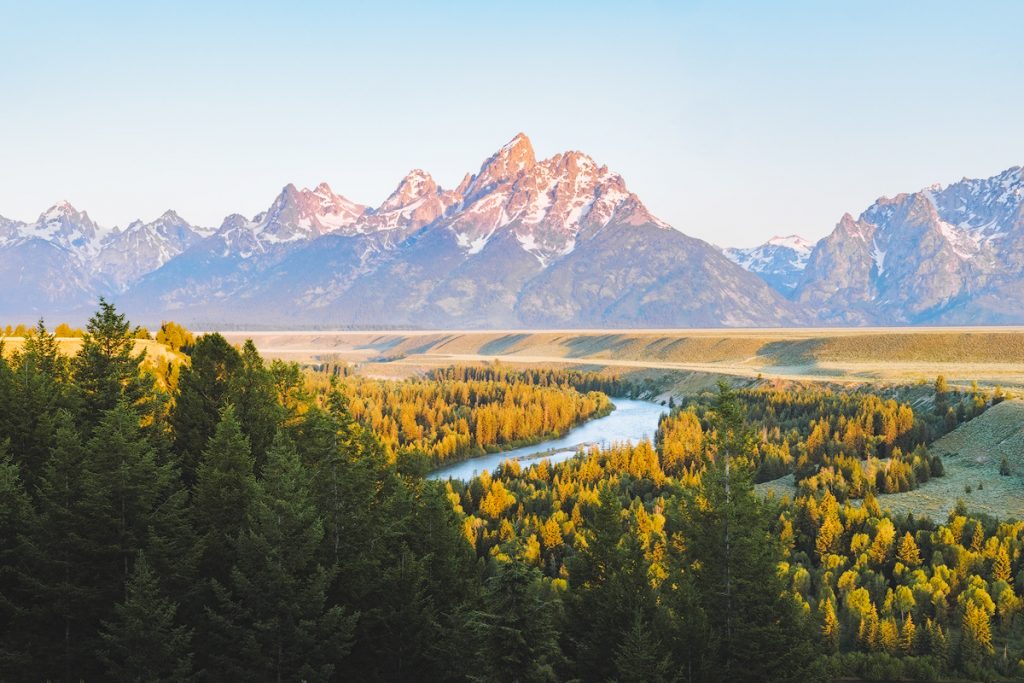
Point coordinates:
pixel 850 442
pixel 460 412
pixel 225 518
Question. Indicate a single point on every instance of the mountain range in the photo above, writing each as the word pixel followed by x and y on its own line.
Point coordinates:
pixel 557 242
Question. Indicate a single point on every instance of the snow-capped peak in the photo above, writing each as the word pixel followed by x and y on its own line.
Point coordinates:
pixel 546 204
pixel 303 214
pixel 795 242
pixel 513 159
pixel 981 207
pixel 780 260
pixel 415 186
pixel 64 225
pixel 61 208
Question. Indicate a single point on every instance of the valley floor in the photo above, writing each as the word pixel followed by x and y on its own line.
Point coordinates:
pixel 678 362
pixel 991 356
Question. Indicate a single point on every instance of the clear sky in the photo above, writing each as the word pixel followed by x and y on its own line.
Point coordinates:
pixel 732 121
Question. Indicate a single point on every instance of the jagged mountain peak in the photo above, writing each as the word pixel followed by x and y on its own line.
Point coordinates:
pixel 415 186
pixel 233 221
pixel 946 254
pixel 323 189
pixel 303 214
pixel 61 208
pixel 126 255
pixel 513 159
pixel 546 203
pixel 519 147
pixel 64 212
pixel 65 226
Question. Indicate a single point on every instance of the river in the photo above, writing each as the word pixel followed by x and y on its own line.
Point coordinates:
pixel 630 421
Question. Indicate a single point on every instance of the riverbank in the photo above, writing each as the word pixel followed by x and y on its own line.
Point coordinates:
pixel 632 420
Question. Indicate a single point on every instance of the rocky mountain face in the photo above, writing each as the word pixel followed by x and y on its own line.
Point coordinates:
pixel 558 242
pixel 61 262
pixel 522 242
pixel 943 255
pixel 780 261
pixel 126 255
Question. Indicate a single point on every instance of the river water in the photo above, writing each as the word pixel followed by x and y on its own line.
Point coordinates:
pixel 630 421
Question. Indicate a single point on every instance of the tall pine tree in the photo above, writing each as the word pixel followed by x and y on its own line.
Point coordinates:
pixel 203 391
pixel 107 371
pixel 756 632
pixel 143 641
pixel 272 620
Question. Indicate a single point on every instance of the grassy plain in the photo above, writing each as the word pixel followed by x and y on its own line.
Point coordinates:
pixel 70 346
pixel 992 356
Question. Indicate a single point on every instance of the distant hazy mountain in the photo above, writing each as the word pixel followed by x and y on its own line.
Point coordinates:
pixel 780 260
pixel 45 266
pixel 558 242
pixel 949 255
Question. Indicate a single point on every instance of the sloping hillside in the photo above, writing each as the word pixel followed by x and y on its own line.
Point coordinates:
pixel 972 455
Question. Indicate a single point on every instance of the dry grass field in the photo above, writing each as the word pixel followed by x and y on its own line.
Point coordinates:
pixel 70 346
pixel 992 356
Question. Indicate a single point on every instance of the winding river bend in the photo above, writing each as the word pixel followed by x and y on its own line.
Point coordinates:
pixel 630 421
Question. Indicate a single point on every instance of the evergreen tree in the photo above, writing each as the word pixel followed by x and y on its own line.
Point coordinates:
pixel 203 390
pixel 518 634
pixel 641 657
pixel 16 516
pixel 125 490
pixel 254 396
pixel 754 625
pixel 106 371
pixel 271 622
pixel 328 451
pixel 609 588
pixel 98 507
pixel 224 492
pixel 60 621
pixel 34 393
pixel 142 641
pixel 413 606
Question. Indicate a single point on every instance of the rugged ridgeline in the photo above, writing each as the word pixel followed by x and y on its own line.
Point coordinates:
pixel 559 242
pixel 555 243
pixel 944 255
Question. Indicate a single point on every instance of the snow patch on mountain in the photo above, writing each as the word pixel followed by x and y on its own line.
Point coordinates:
pixel 779 261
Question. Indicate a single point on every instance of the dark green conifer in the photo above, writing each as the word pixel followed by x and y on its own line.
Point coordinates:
pixel 203 391
pixel 143 641
pixel 272 621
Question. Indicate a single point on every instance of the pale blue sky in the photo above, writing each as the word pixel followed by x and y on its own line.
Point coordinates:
pixel 733 121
